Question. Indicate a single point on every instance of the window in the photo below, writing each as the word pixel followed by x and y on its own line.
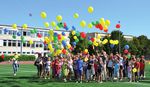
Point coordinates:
pixel 24 44
pixel 24 52
pixel 14 32
pixel 0 31
pixel 28 33
pixel 4 52
pixel 19 43
pixel 10 32
pixel 37 44
pixel 9 52
pixel 14 43
pixel 41 45
pixel 28 52
pixel 28 44
pixel 5 43
pixel 18 52
pixel 33 45
pixel 14 52
pixel 0 52
pixel 9 43
pixel 24 33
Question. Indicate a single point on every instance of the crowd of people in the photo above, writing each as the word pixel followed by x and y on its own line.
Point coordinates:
pixel 100 67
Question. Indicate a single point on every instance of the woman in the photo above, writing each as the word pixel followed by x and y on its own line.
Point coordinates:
pixel 110 66
pixel 15 65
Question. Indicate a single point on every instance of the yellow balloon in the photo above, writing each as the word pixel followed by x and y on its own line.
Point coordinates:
pixel 76 15
pixel 107 22
pixel 51 32
pixel 46 24
pixel 90 25
pixel 102 21
pixel 31 42
pixel 105 27
pixel 86 59
pixel 53 23
pixel 62 38
pixel 14 26
pixel 16 56
pixel 43 15
pixel 68 45
pixel 111 41
pixel 59 18
pixel 73 32
pixel 75 37
pixel 90 9
pixel 25 26
pixel 50 46
pixel 83 23
pixel 51 50
pixel 98 36
pixel 134 70
pixel 57 28
pixel 86 50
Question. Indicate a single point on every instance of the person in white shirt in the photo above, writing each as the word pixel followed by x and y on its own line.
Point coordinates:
pixel 48 68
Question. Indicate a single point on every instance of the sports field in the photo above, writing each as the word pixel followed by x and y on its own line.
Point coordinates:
pixel 26 77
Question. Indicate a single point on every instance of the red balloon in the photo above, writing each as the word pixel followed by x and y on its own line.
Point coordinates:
pixel 92 39
pixel 100 26
pixel 44 42
pixel 64 51
pixel 97 26
pixel 39 35
pixel 118 25
pixel 126 51
pixel 59 36
pixel 106 30
pixel 65 25
pixel 2 56
pixel 71 48
pixel 83 34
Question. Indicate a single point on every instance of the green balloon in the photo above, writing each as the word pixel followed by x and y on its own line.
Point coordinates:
pixel 77 34
pixel 77 40
pixel 81 38
pixel 97 22
pixel 55 39
pixel 32 31
pixel 22 37
pixel 23 41
pixel 35 30
pixel 90 43
pixel 14 36
pixel 129 56
pixel 93 23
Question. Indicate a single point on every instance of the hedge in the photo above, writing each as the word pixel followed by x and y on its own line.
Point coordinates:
pixel 21 58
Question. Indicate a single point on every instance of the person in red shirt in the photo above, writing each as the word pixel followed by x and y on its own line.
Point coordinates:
pixel 137 66
pixel 142 67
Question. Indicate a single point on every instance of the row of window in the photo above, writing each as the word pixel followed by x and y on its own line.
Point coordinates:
pixel 15 52
pixel 17 43
pixel 25 33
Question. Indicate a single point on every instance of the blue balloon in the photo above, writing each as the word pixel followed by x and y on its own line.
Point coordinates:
pixel 63 33
pixel 64 43
pixel 111 46
pixel 18 34
pixel 126 47
pixel 89 38
pixel 55 34
pixel 6 30
pixel 74 43
pixel 73 28
pixel 66 28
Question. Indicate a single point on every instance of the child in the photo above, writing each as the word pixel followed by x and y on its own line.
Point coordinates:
pixel 116 69
pixel 110 67
pixel 65 70
pixel 100 68
pixel 48 64
pixel 15 65
pixel 129 71
pixel 70 66
pixel 79 69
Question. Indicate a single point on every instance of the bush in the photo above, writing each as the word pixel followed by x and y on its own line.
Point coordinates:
pixel 21 58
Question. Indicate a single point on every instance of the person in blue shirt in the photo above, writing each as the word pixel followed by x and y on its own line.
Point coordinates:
pixel 116 69
pixel 79 69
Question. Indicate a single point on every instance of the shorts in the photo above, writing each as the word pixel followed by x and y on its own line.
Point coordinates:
pixel 121 67
pixel 48 69
pixel 80 72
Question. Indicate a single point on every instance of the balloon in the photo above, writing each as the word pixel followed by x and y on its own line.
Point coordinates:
pixel 65 25
pixel 59 36
pixel 118 26
pixel 74 43
pixel 18 34
pixel 77 33
pixel 98 36
pixel 51 32
pixel 100 26
pixel 35 30
pixel 111 46
pixel 73 32
pixel 39 35
pixel 66 28
pixel 31 42
pixel 53 23
pixel 86 59
pixel 14 26
pixel 63 33
pixel 92 39
pixel 75 37
pixel 107 22
pixel 57 28
pixel 83 23
pixel 59 18
pixel 2 56
pixel 14 36
pixel 83 34
pixel 64 43
pixel 89 38
pixel 46 24
pixel 90 42
pixel 90 9
pixel 64 51
pixel 106 30
pixel 90 25
pixel 55 34
pixel 77 40
pixel 43 15
pixel 126 51
pixel 102 21
pixel 6 30
pixel 24 26
pixel 76 15
pixel 134 70
pixel 73 28
pixel 93 24
pixel 126 47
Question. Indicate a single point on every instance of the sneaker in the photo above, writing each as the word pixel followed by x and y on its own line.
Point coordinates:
pixel 76 81
pixel 48 78
pixel 45 78
pixel 80 81
pixel 14 74
pixel 101 82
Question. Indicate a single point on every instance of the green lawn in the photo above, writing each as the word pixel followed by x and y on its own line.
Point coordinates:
pixel 26 77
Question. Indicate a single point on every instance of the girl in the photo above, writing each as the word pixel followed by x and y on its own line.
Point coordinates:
pixel 15 65
pixel 70 66
pixel 129 68
pixel 48 64
pixel 100 68
pixel 110 66
pixel 65 70
pixel 116 69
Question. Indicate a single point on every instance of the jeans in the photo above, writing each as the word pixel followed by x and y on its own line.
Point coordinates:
pixel 15 68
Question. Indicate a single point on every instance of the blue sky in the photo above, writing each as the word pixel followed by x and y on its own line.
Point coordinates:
pixel 133 14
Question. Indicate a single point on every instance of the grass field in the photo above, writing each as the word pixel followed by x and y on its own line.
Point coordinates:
pixel 26 77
